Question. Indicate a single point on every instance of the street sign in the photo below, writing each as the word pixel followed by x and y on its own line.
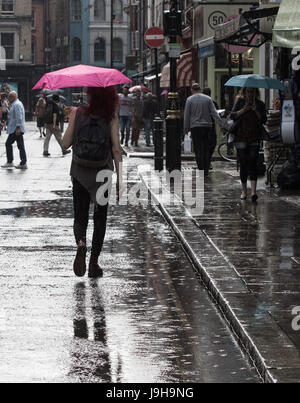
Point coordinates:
pixel 154 37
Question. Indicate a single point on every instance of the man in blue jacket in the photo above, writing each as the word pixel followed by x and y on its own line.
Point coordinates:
pixel 15 130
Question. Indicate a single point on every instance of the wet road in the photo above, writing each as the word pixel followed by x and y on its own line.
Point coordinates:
pixel 147 320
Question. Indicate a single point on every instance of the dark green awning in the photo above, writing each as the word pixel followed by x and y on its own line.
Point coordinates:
pixel 286 32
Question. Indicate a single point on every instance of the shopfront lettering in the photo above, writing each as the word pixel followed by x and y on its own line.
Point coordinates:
pixel 296 60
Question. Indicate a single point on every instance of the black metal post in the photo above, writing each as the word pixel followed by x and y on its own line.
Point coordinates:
pixel 158 144
pixel 173 134
pixel 157 81
pixel 112 17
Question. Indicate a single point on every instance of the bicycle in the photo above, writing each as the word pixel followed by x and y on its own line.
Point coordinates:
pixel 227 151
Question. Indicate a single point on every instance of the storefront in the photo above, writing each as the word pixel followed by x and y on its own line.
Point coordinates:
pixel 218 59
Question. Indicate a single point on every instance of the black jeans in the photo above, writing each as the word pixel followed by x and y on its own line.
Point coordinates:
pixel 248 159
pixel 201 139
pixel 81 199
pixel 9 149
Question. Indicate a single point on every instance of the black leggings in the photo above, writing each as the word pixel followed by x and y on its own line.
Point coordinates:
pixel 248 159
pixel 82 200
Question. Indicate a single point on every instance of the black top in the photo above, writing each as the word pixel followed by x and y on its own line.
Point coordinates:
pixel 250 126
pixel 55 110
pixel 150 108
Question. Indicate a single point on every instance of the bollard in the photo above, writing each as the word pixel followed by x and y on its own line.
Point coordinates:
pixel 158 144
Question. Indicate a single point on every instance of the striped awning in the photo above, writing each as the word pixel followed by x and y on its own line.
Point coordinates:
pixel 184 72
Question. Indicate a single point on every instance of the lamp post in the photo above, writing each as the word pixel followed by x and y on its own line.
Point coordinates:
pixel 112 17
pixel 172 28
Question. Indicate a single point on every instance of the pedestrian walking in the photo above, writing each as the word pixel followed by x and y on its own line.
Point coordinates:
pixel 213 137
pixel 93 132
pixel 125 113
pixel 4 111
pixel 250 114
pixel 39 113
pixel 149 110
pixel 51 118
pixel 198 114
pixel 138 105
pixel 61 116
pixel 15 129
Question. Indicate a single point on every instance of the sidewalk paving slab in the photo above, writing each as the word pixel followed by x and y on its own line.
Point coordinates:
pixel 246 256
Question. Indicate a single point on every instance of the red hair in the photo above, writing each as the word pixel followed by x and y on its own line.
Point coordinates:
pixel 102 102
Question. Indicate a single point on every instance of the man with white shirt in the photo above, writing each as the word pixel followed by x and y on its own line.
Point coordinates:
pixel 15 130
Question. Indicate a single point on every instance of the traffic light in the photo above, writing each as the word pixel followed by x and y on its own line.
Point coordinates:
pixel 173 23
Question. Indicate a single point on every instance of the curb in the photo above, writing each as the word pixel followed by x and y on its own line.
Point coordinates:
pixel 267 372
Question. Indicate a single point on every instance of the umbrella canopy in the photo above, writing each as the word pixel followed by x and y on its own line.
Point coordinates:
pixel 82 76
pixel 141 88
pixel 255 81
pixel 61 97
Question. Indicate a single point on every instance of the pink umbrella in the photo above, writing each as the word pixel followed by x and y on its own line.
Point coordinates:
pixel 82 76
pixel 141 88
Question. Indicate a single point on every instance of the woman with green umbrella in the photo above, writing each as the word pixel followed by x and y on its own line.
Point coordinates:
pixel 250 113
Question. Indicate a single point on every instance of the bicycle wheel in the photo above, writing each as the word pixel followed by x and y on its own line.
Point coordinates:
pixel 227 152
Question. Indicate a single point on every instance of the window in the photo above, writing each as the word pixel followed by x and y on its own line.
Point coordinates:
pixel 118 50
pixel 76 10
pixel 7 6
pixel 99 10
pixel 33 19
pixel 8 43
pixel 76 49
pixel 99 50
pixel 118 8
pixel 33 51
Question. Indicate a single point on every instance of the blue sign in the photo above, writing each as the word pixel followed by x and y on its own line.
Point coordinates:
pixel 207 51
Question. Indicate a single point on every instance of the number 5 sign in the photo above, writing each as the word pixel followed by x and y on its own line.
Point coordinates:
pixel 216 18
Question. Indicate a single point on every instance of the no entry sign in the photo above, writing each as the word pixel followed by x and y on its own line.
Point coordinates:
pixel 154 37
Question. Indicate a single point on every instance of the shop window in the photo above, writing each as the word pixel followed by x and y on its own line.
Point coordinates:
pixel 76 10
pixel 99 50
pixel 7 7
pixel 118 50
pixel 8 43
pixel 99 10
pixel 76 49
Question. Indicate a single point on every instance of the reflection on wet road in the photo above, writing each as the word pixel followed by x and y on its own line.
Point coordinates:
pixel 147 320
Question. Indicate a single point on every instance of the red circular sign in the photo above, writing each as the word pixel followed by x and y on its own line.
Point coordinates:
pixel 154 37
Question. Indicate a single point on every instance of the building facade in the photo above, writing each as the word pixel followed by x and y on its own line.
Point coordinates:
pixel 16 48
pixel 92 25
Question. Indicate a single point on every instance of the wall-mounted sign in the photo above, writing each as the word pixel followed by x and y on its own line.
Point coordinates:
pixel 216 18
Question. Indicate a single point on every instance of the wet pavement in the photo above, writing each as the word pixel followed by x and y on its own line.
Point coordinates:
pixel 248 256
pixel 148 319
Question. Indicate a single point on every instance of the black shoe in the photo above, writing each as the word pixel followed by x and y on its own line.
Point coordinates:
pixel 254 198
pixel 79 266
pixel 126 144
pixel 95 271
pixel 122 140
pixel 46 154
pixel 66 152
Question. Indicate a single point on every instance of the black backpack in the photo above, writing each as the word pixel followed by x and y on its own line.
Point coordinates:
pixel 48 113
pixel 91 145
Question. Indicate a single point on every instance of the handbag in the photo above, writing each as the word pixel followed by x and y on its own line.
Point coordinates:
pixel 232 127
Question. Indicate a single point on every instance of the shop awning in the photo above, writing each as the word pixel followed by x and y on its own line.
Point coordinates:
pixel 151 78
pixel 244 29
pixel 286 32
pixel 184 72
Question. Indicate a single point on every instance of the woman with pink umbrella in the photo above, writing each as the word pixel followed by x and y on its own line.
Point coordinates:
pixel 93 132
